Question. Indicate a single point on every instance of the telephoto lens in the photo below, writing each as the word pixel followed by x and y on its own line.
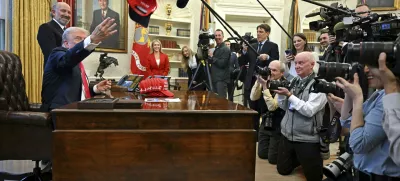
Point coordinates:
pixel 368 52
pixel 342 164
pixel 323 86
pixel 330 70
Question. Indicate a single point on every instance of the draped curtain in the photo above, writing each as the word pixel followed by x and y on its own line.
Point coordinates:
pixel 294 22
pixel 72 5
pixel 27 17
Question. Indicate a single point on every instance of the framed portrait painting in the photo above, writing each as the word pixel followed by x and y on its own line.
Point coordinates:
pixel 90 13
pixel 382 5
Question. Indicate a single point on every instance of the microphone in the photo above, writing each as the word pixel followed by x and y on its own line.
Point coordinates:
pixel 181 3
pixel 312 14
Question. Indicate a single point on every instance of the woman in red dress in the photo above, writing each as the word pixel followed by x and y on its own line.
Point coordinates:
pixel 158 63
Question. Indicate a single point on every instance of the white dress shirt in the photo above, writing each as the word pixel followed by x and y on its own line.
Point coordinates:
pixel 62 27
pixel 89 46
pixel 315 103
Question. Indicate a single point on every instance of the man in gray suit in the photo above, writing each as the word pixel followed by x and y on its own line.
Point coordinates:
pixel 98 16
pixel 219 60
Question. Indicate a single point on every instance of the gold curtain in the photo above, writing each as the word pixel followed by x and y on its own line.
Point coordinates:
pixel 27 17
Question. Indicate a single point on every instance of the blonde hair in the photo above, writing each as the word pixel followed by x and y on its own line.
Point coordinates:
pixel 185 60
pixel 152 43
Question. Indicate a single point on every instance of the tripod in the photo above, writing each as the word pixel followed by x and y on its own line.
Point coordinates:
pixel 202 64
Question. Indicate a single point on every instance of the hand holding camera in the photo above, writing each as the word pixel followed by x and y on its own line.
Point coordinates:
pixel 263 57
pixel 353 90
pixel 390 82
pixel 332 39
pixel 337 102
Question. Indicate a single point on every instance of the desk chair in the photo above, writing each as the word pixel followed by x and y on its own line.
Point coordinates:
pixel 25 133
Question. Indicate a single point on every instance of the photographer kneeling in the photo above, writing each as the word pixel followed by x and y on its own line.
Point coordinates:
pixel 269 133
pixel 367 140
pixel 300 143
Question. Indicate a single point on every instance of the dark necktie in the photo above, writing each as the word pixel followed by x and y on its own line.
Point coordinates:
pixel 259 47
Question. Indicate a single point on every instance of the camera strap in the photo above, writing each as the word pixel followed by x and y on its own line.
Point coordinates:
pixel 298 85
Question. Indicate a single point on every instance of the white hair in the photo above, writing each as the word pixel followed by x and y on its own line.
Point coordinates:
pixel 72 30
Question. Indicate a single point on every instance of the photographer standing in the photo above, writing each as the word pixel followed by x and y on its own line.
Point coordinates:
pixel 367 139
pixel 268 51
pixel 269 133
pixel 219 59
pixel 391 105
pixel 300 144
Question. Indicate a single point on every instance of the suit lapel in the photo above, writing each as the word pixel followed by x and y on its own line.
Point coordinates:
pixel 56 27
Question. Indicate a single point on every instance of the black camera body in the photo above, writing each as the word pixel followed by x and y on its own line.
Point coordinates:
pixel 203 45
pixel 264 72
pixel 275 84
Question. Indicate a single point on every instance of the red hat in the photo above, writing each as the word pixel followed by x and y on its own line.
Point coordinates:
pixel 141 10
pixel 155 87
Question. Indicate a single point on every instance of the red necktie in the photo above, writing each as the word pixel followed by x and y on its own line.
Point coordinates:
pixel 84 81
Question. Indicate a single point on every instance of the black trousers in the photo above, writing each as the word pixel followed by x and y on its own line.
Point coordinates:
pixel 258 105
pixel 231 89
pixel 268 144
pixel 220 88
pixel 293 154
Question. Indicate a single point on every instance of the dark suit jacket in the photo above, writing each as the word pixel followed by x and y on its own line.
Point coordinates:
pixel 62 82
pixel 154 69
pixel 269 48
pixel 49 37
pixel 113 41
pixel 220 64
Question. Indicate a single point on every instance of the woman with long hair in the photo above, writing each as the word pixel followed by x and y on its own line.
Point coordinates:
pixel 189 64
pixel 300 44
pixel 157 61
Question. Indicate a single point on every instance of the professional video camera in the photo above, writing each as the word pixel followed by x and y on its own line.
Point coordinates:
pixel 247 37
pixel 331 17
pixel 203 45
pixel 338 167
pixel 368 28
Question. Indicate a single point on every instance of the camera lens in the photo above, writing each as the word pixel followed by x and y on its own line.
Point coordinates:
pixel 322 86
pixel 368 52
pixel 330 70
pixel 274 84
pixel 317 25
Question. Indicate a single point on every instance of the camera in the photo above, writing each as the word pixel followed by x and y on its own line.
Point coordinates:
pixel 330 70
pixel 203 45
pixel 368 28
pixel 268 122
pixel 264 72
pixel 341 165
pixel 249 38
pixel 323 86
pixel 274 84
pixel 331 17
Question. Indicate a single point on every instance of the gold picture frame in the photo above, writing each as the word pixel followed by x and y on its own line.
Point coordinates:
pixel 395 5
pixel 88 14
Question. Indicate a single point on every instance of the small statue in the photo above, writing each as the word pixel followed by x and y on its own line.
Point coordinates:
pixel 105 62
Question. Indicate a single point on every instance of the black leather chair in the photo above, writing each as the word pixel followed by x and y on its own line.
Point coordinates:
pixel 25 134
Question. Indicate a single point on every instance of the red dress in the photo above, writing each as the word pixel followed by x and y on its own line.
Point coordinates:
pixel 153 69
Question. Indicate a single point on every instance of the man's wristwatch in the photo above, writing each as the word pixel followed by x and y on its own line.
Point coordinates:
pixel 290 94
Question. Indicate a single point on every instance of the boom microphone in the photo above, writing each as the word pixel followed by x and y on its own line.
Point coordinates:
pixel 181 3
pixel 313 14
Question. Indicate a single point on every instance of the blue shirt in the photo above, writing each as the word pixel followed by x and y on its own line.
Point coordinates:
pixel 370 143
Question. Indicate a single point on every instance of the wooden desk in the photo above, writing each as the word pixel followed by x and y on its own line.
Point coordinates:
pixel 201 138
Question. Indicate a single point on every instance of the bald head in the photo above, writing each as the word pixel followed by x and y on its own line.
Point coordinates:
pixel 304 62
pixel 61 12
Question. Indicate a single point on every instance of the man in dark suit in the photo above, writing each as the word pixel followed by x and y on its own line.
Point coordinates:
pixel 64 78
pixel 268 52
pixel 233 64
pixel 219 60
pixel 49 34
pixel 98 16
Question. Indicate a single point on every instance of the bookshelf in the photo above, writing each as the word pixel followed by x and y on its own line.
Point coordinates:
pixel 180 28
